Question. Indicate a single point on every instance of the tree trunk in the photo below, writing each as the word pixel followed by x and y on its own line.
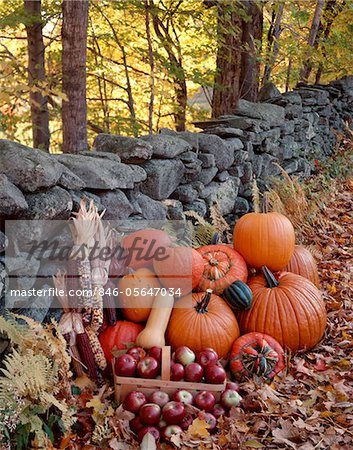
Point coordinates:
pixel 74 42
pixel 250 65
pixel 307 66
pixel 226 86
pixel 173 49
pixel 331 11
pixel 273 43
pixel 36 75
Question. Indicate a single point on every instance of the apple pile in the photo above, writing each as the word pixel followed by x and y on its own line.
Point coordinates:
pixel 136 362
pixel 204 366
pixel 164 416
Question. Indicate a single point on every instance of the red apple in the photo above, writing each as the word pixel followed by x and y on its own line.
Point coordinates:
pixel 186 422
pixel 148 367
pixel 173 412
pixel 184 355
pixel 207 357
pixel 233 385
pixel 193 372
pixel 150 413
pixel 159 397
pixel 171 430
pixel 152 430
pixel 125 365
pixel 210 420
pixel 205 400
pixel 137 353
pixel 230 398
pixel 156 353
pixel 218 410
pixel 173 356
pixel 177 372
pixel 183 396
pixel 136 424
pixel 215 374
pixel 134 400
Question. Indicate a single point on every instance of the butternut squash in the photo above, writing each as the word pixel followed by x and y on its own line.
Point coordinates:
pixel 153 333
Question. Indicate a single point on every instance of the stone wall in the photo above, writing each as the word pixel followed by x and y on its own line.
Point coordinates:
pixel 159 176
pixel 162 176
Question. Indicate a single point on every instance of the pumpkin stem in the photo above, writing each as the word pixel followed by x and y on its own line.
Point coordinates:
pixel 270 278
pixel 265 202
pixel 201 307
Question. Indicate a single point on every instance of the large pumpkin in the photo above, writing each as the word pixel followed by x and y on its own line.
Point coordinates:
pixel 143 246
pixel 181 268
pixel 136 294
pixel 264 239
pixel 289 308
pixel 119 336
pixel 202 320
pixel 303 263
pixel 221 267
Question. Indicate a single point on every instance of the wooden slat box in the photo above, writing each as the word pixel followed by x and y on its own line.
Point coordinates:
pixel 124 385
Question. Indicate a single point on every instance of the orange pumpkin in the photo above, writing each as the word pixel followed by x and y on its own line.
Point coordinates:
pixel 264 239
pixel 303 263
pixel 142 247
pixel 136 294
pixel 222 265
pixel 202 320
pixel 289 308
pixel 181 268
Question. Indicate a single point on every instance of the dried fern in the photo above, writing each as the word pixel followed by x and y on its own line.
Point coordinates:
pixel 36 374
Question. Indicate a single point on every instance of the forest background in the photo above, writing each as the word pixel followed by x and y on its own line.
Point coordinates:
pixel 72 69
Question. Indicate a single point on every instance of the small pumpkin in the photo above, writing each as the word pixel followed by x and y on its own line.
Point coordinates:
pixel 222 265
pixel 289 308
pixel 181 268
pixel 119 336
pixel 142 247
pixel 256 354
pixel 303 263
pixel 137 293
pixel 264 239
pixel 153 333
pixel 238 295
pixel 202 320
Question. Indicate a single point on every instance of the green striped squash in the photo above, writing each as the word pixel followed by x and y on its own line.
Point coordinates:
pixel 238 295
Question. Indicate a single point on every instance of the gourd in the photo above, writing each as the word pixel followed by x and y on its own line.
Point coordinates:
pixel 264 239
pixel 222 265
pixel 238 295
pixel 118 336
pixel 137 293
pixel 153 333
pixel 256 354
pixel 181 269
pixel 303 263
pixel 203 320
pixel 289 308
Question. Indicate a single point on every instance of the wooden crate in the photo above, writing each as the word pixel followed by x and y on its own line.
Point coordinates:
pixel 124 385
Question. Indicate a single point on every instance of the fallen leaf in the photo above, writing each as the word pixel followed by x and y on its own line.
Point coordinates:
pixel 198 428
